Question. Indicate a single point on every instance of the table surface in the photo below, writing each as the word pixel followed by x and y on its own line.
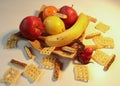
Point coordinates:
pixel 106 11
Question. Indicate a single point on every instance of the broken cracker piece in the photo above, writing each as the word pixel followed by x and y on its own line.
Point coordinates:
pixel 36 44
pixel 103 58
pixel 11 75
pixel 81 73
pixel 102 27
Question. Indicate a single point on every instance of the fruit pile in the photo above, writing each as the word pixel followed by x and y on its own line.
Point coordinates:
pixel 57 28
pixel 32 27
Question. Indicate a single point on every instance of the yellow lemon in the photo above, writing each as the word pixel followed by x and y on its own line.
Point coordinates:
pixel 54 25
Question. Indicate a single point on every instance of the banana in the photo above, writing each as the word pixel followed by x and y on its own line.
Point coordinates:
pixel 70 34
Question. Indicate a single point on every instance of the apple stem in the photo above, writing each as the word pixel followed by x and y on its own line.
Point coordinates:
pixel 72 5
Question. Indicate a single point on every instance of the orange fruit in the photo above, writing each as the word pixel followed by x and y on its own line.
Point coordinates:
pixel 49 11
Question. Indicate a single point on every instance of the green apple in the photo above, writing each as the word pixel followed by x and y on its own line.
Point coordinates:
pixel 54 25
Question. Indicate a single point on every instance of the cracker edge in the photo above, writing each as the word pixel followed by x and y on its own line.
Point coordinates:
pixel 106 67
pixel 91 35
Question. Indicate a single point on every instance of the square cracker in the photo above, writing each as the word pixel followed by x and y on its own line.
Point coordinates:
pixel 32 72
pixel 81 73
pixel 103 42
pixel 11 75
pixel 103 58
pixel 47 50
pixel 102 27
pixel 48 62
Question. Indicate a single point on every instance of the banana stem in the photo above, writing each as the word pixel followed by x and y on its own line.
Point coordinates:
pixel 42 37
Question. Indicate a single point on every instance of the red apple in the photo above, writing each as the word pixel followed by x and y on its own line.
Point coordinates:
pixel 31 27
pixel 71 15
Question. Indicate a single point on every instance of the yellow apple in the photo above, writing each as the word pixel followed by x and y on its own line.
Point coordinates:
pixel 54 25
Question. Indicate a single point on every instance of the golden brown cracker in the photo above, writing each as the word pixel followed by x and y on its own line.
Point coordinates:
pixel 57 69
pixel 108 42
pixel 11 75
pixel 32 72
pixel 103 42
pixel 92 19
pixel 12 41
pixel 36 44
pixel 103 58
pixel 29 52
pixel 47 50
pixel 18 63
pixel 91 35
pixel 102 27
pixel 81 73
pixel 48 62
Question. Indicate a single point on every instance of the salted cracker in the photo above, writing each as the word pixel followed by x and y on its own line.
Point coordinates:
pixel 48 62
pixel 12 41
pixel 102 27
pixel 81 73
pixel 32 72
pixel 104 42
pixel 11 75
pixel 47 50
pixel 103 58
